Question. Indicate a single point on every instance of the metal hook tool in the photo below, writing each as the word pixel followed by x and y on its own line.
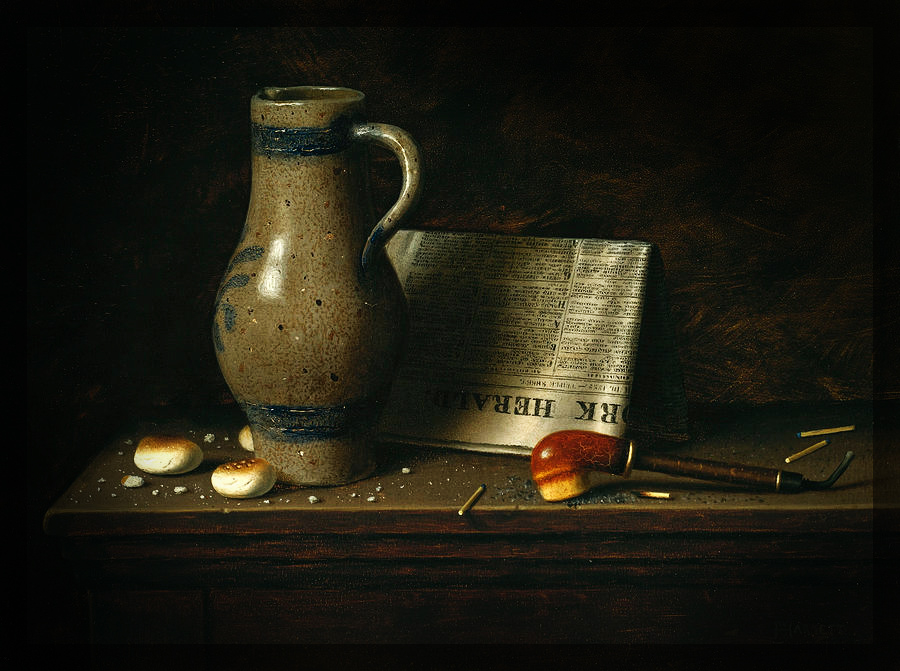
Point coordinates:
pixel 831 479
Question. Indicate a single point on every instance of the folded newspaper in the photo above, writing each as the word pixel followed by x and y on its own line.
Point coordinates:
pixel 514 337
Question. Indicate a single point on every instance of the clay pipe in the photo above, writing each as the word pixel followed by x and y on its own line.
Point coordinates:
pixel 563 462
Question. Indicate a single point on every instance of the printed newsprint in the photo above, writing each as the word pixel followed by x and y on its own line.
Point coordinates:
pixel 514 337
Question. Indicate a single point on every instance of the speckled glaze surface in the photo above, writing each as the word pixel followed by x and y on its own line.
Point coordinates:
pixel 309 317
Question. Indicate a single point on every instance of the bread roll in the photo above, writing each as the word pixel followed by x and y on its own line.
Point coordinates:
pixel 167 455
pixel 245 438
pixel 244 479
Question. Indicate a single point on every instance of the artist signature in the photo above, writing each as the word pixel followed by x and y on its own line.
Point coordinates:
pixel 807 631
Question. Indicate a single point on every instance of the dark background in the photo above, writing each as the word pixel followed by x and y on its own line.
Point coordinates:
pixel 746 154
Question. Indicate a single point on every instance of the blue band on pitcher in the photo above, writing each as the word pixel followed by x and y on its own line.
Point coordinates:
pixel 306 141
pixel 302 423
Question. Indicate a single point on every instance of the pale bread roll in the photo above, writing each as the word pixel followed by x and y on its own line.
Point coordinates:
pixel 244 479
pixel 245 438
pixel 167 455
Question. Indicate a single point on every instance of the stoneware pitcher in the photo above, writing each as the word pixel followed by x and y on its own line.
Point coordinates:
pixel 310 317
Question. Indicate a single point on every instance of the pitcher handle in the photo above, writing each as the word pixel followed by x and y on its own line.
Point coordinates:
pixel 407 152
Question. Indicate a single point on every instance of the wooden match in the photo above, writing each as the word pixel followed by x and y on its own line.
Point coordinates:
pixel 822 432
pixel 472 499
pixel 808 450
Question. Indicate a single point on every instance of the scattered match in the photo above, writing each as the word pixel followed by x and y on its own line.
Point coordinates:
pixel 808 450
pixel 472 499
pixel 823 432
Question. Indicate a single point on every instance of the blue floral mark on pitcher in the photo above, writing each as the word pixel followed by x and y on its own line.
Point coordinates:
pixel 229 314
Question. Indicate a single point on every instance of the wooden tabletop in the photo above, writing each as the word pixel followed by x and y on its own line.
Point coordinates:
pixel 711 563
pixel 416 488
